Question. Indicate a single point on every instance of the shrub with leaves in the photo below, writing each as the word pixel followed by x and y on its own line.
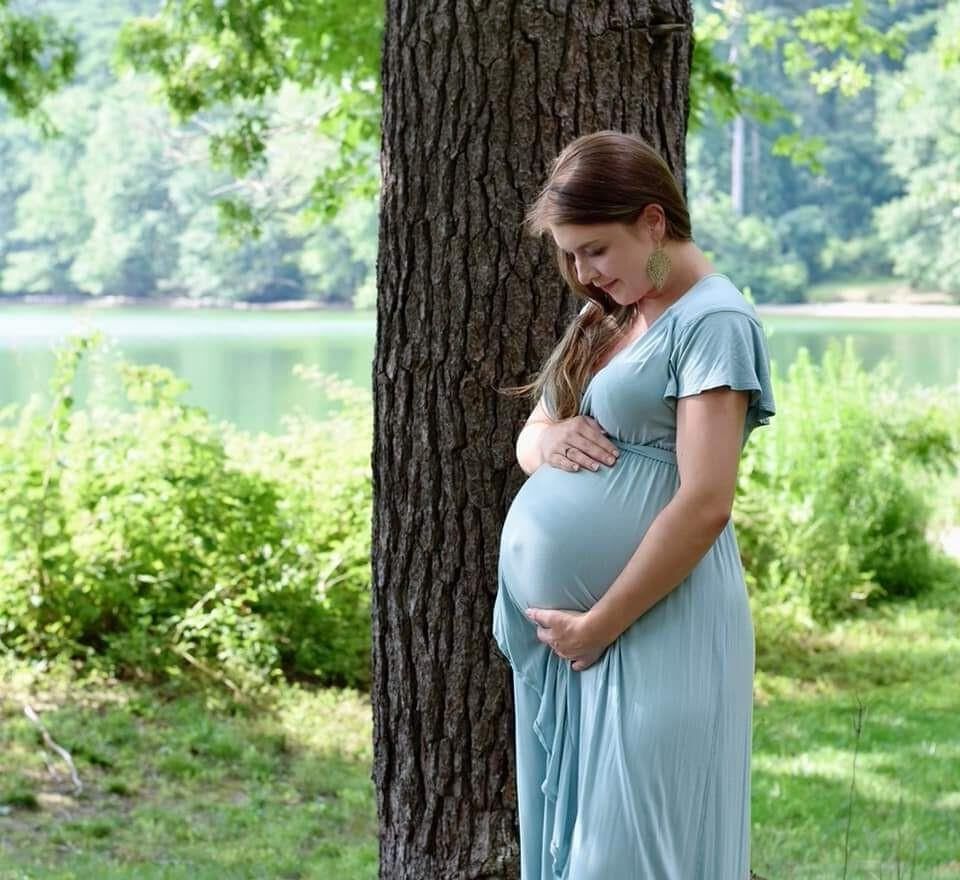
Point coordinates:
pixel 321 608
pixel 151 539
pixel 833 501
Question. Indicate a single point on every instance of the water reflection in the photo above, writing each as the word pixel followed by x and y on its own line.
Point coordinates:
pixel 240 365
pixel 923 353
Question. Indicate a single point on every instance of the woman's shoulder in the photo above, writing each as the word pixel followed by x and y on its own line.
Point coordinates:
pixel 712 293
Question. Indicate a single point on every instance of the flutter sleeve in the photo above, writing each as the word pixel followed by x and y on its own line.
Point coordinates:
pixel 723 348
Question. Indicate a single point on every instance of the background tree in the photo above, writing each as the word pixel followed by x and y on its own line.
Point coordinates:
pixel 810 200
pixel 37 57
pixel 920 129
pixel 239 54
pixel 477 102
pixel 48 220
pixel 276 134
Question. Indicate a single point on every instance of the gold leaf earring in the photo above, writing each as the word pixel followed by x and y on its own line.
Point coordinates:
pixel 658 266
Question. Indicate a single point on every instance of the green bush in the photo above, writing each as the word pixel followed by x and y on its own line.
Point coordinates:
pixel 321 608
pixel 832 506
pixel 805 227
pixel 855 258
pixel 153 540
pixel 750 249
pixel 147 539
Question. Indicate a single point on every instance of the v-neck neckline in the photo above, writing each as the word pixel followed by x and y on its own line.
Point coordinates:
pixel 656 321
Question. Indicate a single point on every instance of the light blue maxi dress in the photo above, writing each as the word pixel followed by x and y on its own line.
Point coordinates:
pixel 639 766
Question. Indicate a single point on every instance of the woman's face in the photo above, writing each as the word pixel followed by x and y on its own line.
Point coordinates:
pixel 612 256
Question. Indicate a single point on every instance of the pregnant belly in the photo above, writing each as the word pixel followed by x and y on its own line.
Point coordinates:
pixel 568 535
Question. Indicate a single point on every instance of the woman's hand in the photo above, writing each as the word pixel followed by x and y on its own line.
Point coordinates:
pixel 570 635
pixel 577 442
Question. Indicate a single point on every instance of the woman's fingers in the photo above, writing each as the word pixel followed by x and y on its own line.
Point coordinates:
pixel 582 444
pixel 600 451
pixel 585 661
pixel 565 461
pixel 585 451
pixel 546 635
pixel 602 447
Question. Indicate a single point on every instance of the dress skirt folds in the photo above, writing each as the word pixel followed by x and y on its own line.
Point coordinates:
pixel 639 766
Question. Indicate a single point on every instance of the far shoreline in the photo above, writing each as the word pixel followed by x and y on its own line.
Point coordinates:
pixel 838 309
pixel 181 303
pixel 860 310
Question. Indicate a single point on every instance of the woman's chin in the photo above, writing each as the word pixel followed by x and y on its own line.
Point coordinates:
pixel 650 293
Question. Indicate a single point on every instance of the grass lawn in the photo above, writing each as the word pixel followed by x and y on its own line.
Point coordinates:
pixel 896 674
pixel 174 787
pixel 177 786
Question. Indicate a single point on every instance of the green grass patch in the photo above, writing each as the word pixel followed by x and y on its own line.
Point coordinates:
pixel 893 673
pixel 177 784
pixel 181 784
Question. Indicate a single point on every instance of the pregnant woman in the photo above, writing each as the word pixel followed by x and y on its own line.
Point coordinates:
pixel 621 603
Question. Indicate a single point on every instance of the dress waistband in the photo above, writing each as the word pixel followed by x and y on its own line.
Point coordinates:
pixel 654 452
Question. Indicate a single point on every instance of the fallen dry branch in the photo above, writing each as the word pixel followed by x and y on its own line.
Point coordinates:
pixel 54 747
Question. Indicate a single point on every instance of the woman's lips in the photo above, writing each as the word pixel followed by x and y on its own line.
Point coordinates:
pixel 607 287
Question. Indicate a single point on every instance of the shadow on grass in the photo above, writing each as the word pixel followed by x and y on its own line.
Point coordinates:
pixel 906 798
pixel 901 661
pixel 173 788
pixel 177 785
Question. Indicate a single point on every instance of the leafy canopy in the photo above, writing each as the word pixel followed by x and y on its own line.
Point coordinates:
pixel 238 54
pixel 232 57
pixel 37 57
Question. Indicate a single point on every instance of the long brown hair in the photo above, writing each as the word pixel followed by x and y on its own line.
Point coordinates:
pixel 604 177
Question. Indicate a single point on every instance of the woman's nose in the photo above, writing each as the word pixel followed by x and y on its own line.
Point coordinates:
pixel 584 274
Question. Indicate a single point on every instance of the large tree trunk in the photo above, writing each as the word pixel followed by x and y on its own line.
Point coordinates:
pixel 477 99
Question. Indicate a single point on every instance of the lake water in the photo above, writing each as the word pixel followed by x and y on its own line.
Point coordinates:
pixel 239 364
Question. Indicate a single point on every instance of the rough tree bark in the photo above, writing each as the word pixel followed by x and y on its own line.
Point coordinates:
pixel 477 99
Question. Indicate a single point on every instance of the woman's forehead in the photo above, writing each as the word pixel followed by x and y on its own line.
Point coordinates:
pixel 572 237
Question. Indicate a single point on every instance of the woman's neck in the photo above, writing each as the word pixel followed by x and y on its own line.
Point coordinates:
pixel 688 265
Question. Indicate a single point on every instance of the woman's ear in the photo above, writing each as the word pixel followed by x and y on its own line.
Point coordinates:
pixel 654 218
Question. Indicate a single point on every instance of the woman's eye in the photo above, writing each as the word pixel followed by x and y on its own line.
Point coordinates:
pixel 597 253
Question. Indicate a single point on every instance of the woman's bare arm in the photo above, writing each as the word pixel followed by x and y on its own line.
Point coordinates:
pixel 528 442
pixel 709 438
